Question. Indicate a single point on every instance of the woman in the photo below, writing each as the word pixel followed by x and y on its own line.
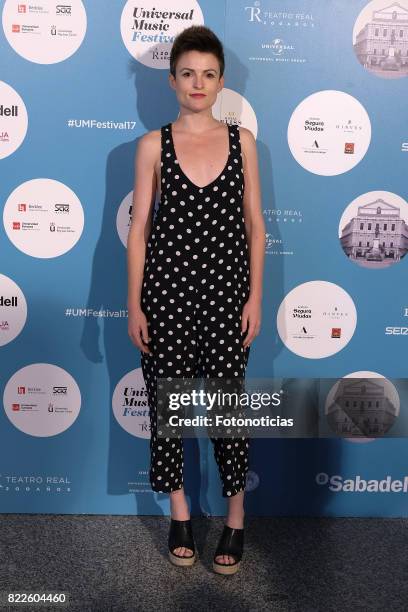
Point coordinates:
pixel 195 273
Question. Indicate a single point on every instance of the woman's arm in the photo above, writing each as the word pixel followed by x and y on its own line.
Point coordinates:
pixel 144 193
pixel 255 230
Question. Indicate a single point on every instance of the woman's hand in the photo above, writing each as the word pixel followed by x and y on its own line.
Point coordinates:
pixel 251 319
pixel 137 328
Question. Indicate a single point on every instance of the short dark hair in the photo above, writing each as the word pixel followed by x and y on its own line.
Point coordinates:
pixel 196 38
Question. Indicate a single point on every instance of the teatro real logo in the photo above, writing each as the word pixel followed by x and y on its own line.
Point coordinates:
pixel 267 17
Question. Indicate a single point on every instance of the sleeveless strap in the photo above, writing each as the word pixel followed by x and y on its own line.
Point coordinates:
pixel 166 158
pixel 236 151
pixel 235 137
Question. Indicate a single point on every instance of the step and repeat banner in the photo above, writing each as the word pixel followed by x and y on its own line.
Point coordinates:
pixel 322 86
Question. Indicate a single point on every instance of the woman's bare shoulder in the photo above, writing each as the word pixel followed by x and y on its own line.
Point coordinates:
pixel 248 144
pixel 246 135
pixel 150 141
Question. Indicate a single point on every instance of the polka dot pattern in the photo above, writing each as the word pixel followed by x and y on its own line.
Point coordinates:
pixel 195 284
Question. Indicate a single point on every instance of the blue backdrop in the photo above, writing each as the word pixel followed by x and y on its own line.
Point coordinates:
pixel 329 117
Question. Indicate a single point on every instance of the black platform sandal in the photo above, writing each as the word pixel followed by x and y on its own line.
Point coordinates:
pixel 231 543
pixel 181 534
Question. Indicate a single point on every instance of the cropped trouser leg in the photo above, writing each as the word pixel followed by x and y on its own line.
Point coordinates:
pixel 221 356
pixel 173 358
pixel 201 343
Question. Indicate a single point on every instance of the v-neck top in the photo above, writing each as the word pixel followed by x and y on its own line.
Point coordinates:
pixel 173 148
pixel 195 227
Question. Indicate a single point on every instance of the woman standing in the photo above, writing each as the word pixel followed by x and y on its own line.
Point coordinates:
pixel 195 273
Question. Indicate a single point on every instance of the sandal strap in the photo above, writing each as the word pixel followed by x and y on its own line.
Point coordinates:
pixel 231 543
pixel 181 534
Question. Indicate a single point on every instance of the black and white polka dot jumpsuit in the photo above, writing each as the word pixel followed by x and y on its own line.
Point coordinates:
pixel 195 284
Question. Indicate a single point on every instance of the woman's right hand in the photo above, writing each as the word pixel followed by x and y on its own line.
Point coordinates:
pixel 137 328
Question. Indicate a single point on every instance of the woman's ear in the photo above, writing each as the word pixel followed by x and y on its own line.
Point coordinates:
pixel 221 83
pixel 172 81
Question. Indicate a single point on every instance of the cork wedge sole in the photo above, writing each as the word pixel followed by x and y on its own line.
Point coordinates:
pixel 182 561
pixel 226 570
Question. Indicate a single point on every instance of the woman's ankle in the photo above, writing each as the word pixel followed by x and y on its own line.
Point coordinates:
pixel 235 520
pixel 178 506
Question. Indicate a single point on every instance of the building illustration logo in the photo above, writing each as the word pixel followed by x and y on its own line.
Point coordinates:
pixel 376 234
pixel 380 38
pixel 362 408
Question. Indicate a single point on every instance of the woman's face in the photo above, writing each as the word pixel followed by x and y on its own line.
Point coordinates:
pixel 197 81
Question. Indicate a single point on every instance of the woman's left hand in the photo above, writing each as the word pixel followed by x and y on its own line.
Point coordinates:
pixel 251 320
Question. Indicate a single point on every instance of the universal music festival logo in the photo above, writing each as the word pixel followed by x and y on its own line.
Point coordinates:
pixel 151 25
pixel 135 404
pixel 134 398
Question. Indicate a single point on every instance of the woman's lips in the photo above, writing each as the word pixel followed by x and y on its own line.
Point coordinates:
pixel 197 95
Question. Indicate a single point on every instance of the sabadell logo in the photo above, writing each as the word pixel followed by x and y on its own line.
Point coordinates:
pixel 358 484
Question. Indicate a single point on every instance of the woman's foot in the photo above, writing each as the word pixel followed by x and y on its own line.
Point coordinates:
pixel 230 546
pixel 180 512
pixel 235 522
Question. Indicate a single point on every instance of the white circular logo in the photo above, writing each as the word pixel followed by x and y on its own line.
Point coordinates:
pixel 148 29
pixel 379 38
pixel 42 400
pixel 124 218
pixel 44 32
pixel 130 404
pixel 232 108
pixel 316 319
pixel 43 218
pixel 13 310
pixel 373 229
pixel 329 132
pixel 13 120
pixel 362 406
